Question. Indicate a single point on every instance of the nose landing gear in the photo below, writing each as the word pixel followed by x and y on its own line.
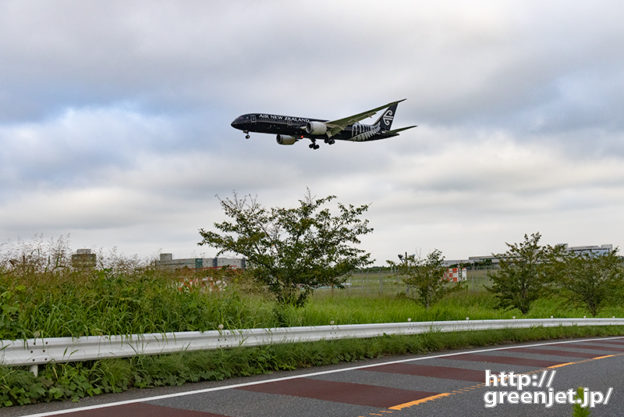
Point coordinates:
pixel 246 132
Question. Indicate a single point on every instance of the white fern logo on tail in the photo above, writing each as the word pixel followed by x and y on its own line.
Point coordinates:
pixel 388 117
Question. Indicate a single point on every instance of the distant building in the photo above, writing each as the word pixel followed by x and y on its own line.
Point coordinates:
pixel 457 262
pixel 483 260
pixel 167 262
pixel 84 259
pixel 595 250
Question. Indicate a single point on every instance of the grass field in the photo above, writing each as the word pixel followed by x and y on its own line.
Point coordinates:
pixel 389 284
pixel 59 305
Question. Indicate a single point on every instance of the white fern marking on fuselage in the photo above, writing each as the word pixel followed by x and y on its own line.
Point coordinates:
pixel 361 133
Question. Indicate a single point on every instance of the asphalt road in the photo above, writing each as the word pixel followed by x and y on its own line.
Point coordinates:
pixel 445 384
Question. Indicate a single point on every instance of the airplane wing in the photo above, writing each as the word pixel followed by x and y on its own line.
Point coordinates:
pixel 335 126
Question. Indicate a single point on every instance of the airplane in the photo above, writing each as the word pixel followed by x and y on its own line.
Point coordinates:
pixel 292 129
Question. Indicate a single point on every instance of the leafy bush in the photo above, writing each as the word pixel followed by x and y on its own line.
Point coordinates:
pixel 426 276
pixel 525 272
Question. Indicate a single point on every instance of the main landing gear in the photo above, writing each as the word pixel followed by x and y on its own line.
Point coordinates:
pixel 313 145
pixel 330 141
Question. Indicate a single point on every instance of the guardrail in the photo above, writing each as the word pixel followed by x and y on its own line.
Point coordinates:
pixel 34 352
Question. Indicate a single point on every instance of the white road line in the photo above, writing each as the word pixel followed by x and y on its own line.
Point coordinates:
pixel 353 368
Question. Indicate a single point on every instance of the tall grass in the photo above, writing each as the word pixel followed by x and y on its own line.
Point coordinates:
pixel 149 301
pixel 42 296
pixel 103 302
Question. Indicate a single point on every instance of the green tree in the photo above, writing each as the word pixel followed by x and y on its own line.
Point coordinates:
pixel 590 280
pixel 425 275
pixel 524 273
pixel 293 250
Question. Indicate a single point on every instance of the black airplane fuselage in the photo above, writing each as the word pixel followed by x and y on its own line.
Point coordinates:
pixel 296 127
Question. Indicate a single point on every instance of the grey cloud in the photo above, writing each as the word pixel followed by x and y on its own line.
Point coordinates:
pixel 114 117
pixel 458 62
pixel 82 145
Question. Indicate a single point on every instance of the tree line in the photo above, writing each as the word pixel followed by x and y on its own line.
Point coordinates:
pixel 293 251
pixel 529 270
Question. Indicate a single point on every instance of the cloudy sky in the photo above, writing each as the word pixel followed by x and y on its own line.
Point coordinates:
pixel 115 119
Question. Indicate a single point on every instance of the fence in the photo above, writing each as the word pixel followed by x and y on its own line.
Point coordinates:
pixel 387 283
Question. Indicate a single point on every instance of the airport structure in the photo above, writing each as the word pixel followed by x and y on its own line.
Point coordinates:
pixel 593 250
pixel 84 259
pixel 590 250
pixel 167 262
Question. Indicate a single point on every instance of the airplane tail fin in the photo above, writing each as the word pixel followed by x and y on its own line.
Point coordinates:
pixel 386 118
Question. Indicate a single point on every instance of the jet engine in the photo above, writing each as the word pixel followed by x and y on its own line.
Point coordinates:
pixel 316 128
pixel 285 139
